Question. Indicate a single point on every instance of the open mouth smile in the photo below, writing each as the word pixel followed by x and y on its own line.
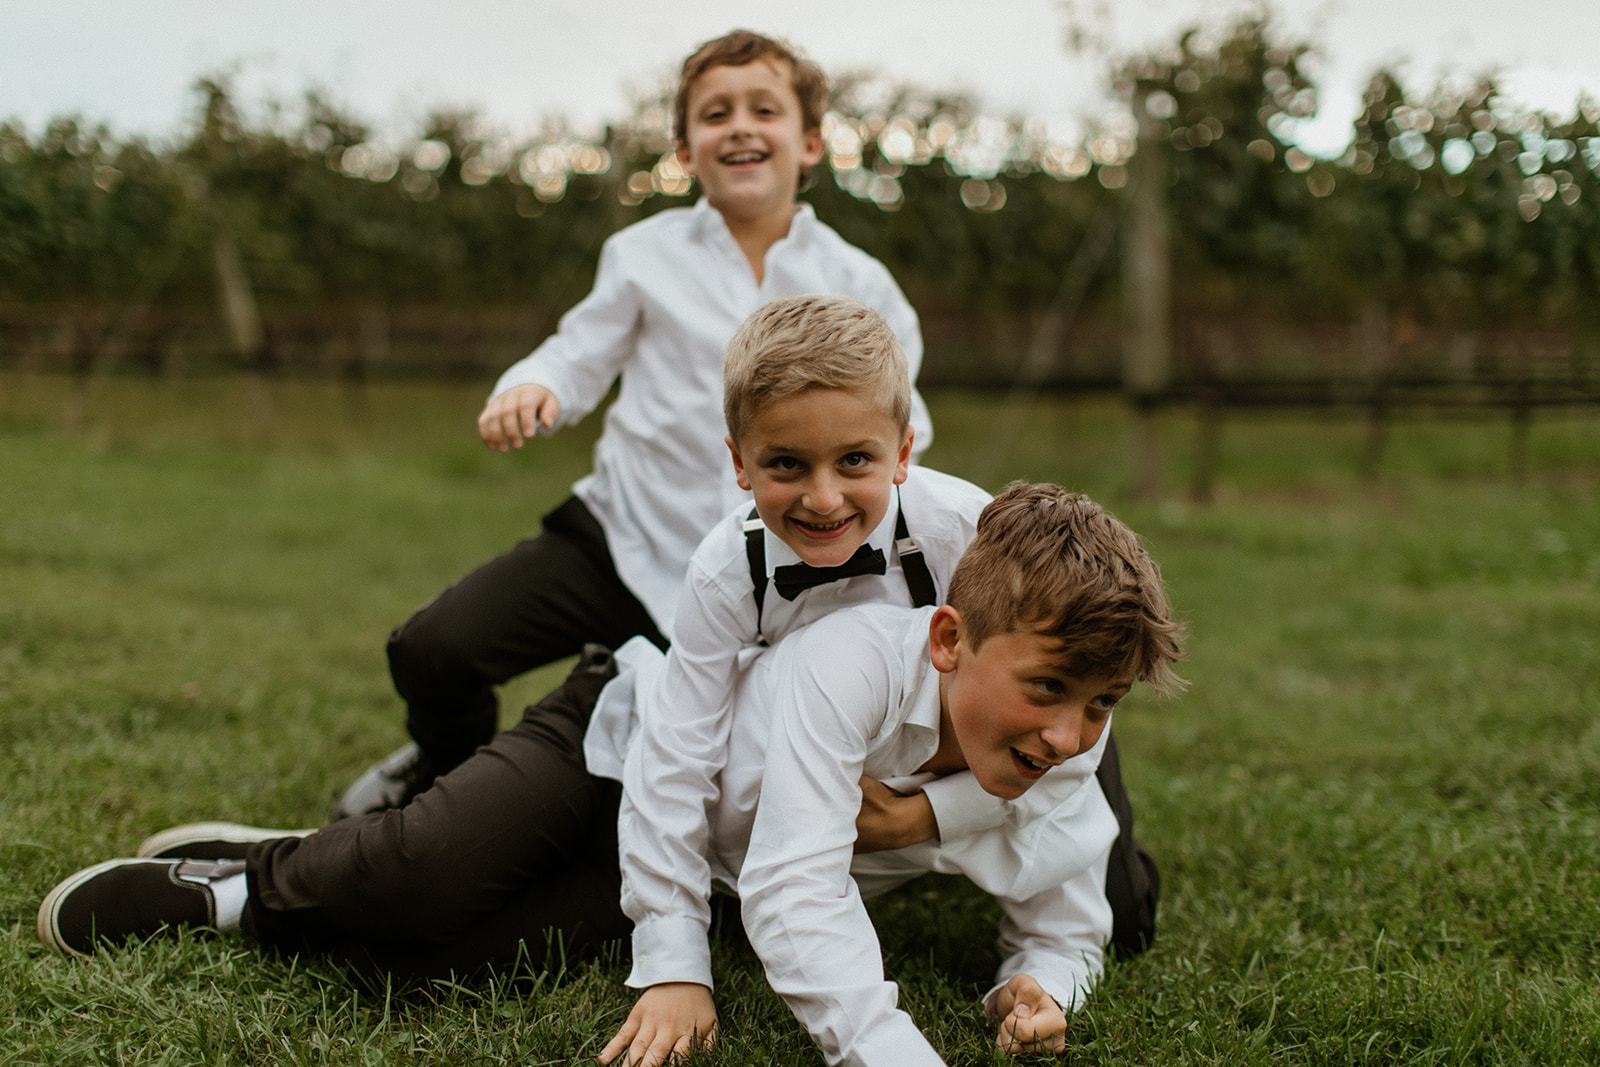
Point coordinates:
pixel 734 159
pixel 1028 765
pixel 823 529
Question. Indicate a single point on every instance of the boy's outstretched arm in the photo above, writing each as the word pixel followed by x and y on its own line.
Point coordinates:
pixel 1030 1018
pixel 668 1021
pixel 517 414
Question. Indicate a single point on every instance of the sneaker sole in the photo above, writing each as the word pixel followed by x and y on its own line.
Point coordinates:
pixel 171 843
pixel 50 908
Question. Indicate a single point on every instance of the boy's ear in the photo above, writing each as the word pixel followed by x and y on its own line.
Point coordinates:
pixel 684 159
pixel 811 147
pixel 738 463
pixel 944 638
pixel 902 465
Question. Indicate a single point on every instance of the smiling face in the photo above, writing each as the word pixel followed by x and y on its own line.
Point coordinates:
pixel 746 139
pixel 821 465
pixel 1010 709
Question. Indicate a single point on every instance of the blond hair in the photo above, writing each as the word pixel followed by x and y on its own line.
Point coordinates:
pixel 1058 564
pixel 739 48
pixel 799 343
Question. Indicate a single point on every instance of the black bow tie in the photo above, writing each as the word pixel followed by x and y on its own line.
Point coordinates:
pixel 798 577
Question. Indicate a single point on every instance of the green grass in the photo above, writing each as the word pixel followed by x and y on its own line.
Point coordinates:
pixel 1377 810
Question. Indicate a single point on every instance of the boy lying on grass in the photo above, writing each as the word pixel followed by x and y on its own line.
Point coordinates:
pixel 1054 611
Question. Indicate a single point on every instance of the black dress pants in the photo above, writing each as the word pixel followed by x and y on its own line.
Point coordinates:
pixel 514 852
pixel 1133 884
pixel 538 603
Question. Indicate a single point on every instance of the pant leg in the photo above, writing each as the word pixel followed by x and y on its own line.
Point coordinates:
pixel 556 921
pixel 1133 884
pixel 539 602
pixel 517 841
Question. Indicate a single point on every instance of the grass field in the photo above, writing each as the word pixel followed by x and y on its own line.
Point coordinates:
pixel 1377 810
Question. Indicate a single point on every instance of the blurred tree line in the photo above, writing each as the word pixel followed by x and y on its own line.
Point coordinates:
pixel 1459 236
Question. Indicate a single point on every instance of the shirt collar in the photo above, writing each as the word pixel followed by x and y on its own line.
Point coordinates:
pixel 924 698
pixel 916 731
pixel 707 221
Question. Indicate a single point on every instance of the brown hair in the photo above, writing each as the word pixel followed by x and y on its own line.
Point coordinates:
pixel 739 48
pixel 800 343
pixel 1056 563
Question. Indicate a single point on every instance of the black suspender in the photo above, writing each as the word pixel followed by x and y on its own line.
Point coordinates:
pixel 755 550
pixel 919 579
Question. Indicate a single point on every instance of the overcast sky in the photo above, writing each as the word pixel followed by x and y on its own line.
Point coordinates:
pixel 130 63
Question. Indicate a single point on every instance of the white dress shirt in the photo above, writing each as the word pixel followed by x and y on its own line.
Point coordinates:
pixel 857 695
pixel 669 292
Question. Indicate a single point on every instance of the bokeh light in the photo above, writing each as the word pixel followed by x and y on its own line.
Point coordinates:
pixel 668 176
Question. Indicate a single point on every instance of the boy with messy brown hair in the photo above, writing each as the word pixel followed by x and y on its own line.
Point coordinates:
pixel 668 293
pixel 1055 610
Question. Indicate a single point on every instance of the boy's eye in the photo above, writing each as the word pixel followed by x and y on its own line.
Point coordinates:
pixel 1105 702
pixel 1049 686
pixel 855 460
pixel 783 464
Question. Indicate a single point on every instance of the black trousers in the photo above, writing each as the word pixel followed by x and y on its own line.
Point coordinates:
pixel 514 853
pixel 1133 884
pixel 538 603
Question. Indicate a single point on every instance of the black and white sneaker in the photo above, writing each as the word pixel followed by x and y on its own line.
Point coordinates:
pixel 407 771
pixel 129 899
pixel 390 783
pixel 209 840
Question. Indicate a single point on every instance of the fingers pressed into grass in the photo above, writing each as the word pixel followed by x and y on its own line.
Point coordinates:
pixel 668 1021
pixel 1031 1020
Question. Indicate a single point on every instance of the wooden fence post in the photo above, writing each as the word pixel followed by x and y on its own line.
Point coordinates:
pixel 1147 293
pixel 1521 395
pixel 1208 416
pixel 242 316
pixel 1379 347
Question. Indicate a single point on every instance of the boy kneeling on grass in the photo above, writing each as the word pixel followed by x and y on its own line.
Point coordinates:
pixel 1054 611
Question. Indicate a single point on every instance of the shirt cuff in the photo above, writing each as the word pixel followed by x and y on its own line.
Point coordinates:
pixel 529 371
pixel 897 1044
pixel 670 949
pixel 961 807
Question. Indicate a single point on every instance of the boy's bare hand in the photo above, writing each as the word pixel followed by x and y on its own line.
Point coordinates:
pixel 892 820
pixel 516 415
pixel 667 1022
pixel 1030 1018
